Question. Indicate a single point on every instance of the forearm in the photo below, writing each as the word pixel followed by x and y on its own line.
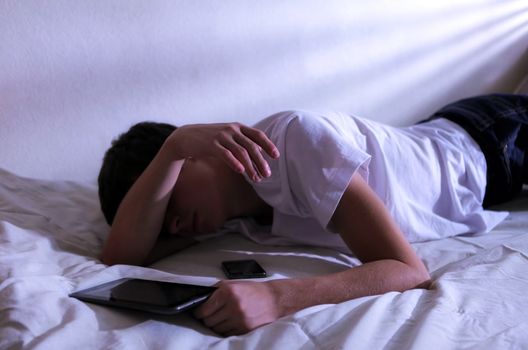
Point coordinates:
pixel 389 261
pixel 373 278
pixel 139 218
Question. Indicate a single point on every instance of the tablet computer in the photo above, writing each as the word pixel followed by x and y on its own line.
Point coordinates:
pixel 165 298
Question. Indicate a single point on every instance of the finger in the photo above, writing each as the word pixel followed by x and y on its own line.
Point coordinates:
pixel 242 155
pixel 255 152
pixel 217 318
pixel 234 331
pixel 211 306
pixel 261 139
pixel 230 159
pixel 225 328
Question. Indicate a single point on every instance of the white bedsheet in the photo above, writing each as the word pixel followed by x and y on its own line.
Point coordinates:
pixel 52 232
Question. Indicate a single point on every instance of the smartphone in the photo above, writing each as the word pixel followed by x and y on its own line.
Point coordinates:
pixel 236 269
pixel 147 295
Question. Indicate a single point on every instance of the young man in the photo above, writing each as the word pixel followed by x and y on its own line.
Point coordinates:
pixel 330 180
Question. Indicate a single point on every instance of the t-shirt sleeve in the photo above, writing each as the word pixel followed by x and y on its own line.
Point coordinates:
pixel 318 162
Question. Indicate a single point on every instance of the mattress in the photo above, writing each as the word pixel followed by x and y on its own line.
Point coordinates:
pixel 51 234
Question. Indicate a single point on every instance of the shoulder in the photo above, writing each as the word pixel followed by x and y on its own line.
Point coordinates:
pixel 298 123
pixel 284 118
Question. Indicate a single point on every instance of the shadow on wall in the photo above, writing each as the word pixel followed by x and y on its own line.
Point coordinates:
pixel 474 51
pixel 522 88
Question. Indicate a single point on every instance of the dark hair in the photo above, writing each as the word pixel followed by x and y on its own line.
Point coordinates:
pixel 128 156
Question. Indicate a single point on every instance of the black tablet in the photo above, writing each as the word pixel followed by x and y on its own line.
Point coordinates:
pixel 165 298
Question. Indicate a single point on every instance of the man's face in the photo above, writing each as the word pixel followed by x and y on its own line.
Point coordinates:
pixel 196 205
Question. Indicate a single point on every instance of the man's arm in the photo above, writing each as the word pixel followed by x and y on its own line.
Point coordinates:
pixel 389 264
pixel 139 217
pixel 389 261
pixel 167 245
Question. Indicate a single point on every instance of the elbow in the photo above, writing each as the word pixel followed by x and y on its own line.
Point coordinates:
pixel 108 260
pixel 414 276
pixel 422 278
pixel 111 259
pixel 424 282
pixel 115 252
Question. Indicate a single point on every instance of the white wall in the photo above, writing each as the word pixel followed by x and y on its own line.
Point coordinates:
pixel 73 74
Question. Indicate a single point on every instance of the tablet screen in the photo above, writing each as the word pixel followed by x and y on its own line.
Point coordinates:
pixel 147 295
pixel 157 293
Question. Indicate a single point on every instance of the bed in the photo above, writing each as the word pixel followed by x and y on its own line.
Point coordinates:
pixel 67 90
pixel 52 232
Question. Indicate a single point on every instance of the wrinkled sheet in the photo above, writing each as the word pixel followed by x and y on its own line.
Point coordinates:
pixel 52 232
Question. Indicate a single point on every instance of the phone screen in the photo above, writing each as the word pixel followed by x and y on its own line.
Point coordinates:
pixel 243 269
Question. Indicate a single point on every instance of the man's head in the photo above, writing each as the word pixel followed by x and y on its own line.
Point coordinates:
pixel 128 156
pixel 201 200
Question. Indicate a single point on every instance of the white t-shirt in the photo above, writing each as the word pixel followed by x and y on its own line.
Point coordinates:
pixel 431 177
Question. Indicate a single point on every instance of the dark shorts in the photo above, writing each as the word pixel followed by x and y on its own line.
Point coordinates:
pixel 499 124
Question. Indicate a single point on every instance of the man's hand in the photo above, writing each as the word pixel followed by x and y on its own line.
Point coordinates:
pixel 238 145
pixel 239 307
